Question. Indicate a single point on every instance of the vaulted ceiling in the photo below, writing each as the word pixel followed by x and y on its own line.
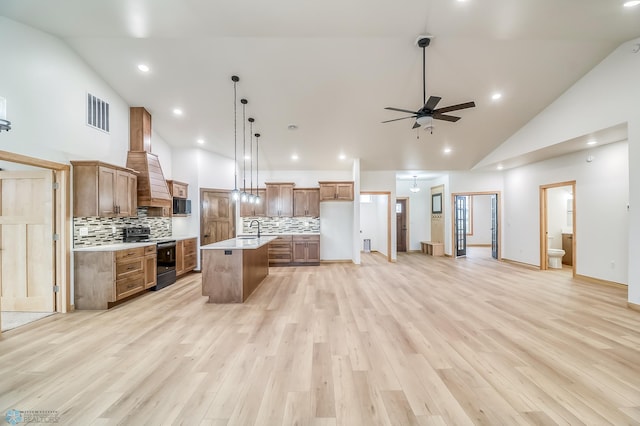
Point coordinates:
pixel 330 68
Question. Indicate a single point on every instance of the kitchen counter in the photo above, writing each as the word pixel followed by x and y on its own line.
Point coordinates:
pixel 233 269
pixel 114 247
pixel 283 234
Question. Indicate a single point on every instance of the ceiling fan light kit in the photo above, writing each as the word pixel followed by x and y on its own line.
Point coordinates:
pixel 428 112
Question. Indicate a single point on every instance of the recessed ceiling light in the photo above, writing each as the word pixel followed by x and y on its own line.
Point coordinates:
pixel 496 96
pixel 631 3
pixel 294 157
pixel 247 157
pixel 200 141
pixel 500 167
pixel 177 111
pixel 292 127
pixel 592 142
pixel 447 150
pixel 342 156
pixel 143 68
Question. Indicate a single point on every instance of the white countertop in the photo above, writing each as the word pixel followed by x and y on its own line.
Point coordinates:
pixel 240 243
pixel 281 234
pixel 114 247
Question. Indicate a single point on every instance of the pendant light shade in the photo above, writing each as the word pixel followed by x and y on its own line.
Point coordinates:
pixel 235 194
pixel 257 199
pixel 251 198
pixel 415 187
pixel 243 195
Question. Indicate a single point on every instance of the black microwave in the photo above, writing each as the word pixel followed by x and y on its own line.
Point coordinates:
pixel 181 206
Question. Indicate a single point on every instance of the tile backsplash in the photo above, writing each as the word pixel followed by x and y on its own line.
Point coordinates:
pixel 106 230
pixel 282 225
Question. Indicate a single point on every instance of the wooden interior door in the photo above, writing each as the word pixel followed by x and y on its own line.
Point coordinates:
pixel 401 224
pixel 27 252
pixel 217 221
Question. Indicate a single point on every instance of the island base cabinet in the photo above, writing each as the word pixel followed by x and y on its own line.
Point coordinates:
pixel 230 276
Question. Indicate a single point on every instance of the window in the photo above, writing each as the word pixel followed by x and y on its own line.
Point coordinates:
pixel 398 208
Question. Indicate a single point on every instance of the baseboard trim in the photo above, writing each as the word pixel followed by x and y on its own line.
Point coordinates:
pixel 478 245
pixel 522 264
pixel 337 261
pixel 599 281
pixel 633 306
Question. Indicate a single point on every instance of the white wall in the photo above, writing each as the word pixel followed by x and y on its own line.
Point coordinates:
pixel 602 189
pixel 481 217
pixel 46 84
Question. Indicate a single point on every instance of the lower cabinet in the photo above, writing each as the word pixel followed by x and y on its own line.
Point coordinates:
pixel 280 251
pixel 186 253
pixel 306 249
pixel 105 277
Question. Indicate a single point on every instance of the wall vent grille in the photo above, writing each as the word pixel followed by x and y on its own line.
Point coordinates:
pixel 97 113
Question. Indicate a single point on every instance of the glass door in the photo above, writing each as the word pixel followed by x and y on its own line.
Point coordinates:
pixel 461 225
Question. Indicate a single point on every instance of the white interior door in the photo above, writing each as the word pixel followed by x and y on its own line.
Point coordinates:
pixel 27 251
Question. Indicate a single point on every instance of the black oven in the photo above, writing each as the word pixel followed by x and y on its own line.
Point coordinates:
pixel 166 264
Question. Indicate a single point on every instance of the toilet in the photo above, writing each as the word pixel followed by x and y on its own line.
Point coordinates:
pixel 555 255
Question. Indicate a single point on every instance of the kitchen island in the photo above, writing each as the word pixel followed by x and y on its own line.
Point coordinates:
pixel 233 269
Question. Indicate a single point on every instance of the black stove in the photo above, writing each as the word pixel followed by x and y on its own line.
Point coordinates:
pixel 165 252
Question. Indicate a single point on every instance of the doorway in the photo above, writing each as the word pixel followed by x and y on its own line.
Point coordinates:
pixel 402 220
pixel 375 221
pixel 558 225
pixel 217 216
pixel 475 225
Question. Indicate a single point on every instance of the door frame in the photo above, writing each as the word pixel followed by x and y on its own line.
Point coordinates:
pixel 62 223
pixel 388 194
pixel 544 260
pixel 408 219
pixel 498 195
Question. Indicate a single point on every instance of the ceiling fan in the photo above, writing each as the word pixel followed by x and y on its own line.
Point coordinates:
pixel 428 112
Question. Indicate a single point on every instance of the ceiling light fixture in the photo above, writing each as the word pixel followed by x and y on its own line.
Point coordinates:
pixel 592 142
pixel 500 167
pixel 631 3
pixel 251 198
pixel 143 68
pixel 294 157
pixel 342 157
pixel 4 123
pixel 257 199
pixel 200 141
pixel 292 127
pixel 496 96
pixel 447 150
pixel 235 193
pixel 415 187
pixel 177 111
pixel 243 194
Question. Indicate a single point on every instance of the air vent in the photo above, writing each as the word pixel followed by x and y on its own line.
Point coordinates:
pixel 97 113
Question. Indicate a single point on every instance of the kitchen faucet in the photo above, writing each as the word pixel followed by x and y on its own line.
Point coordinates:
pixel 251 225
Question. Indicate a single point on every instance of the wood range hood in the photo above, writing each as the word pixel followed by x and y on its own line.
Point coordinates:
pixel 152 186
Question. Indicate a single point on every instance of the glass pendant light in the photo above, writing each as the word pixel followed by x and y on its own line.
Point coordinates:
pixel 235 194
pixel 252 198
pixel 257 199
pixel 243 194
pixel 415 187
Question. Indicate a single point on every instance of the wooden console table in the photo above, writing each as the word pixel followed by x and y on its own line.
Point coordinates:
pixel 432 248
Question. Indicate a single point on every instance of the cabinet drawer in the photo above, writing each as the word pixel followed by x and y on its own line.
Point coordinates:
pixel 190 261
pixel 126 268
pixel 130 253
pixel 127 286
pixel 189 247
pixel 150 250
pixel 306 238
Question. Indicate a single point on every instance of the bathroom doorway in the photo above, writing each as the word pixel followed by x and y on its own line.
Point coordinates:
pixel 558 226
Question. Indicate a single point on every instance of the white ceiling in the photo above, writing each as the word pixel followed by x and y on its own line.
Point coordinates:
pixel 331 67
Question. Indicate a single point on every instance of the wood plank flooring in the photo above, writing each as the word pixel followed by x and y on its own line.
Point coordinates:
pixel 424 341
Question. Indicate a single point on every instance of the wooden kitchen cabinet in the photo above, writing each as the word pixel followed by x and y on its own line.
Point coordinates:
pixel 255 210
pixel 279 199
pixel 186 252
pixel 280 251
pixel 103 277
pixel 336 191
pixel 178 189
pixel 306 249
pixel 104 190
pixel 306 202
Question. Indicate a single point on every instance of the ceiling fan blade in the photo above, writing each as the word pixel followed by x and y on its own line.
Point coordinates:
pixel 415 125
pixel 396 119
pixel 455 107
pixel 431 103
pixel 445 117
pixel 401 110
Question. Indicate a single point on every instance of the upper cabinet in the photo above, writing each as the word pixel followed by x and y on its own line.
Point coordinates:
pixel 101 189
pixel 306 202
pixel 178 189
pixel 255 210
pixel 336 191
pixel 279 199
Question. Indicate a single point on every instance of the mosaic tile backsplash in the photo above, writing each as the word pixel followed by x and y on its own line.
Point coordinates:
pixel 282 225
pixel 107 230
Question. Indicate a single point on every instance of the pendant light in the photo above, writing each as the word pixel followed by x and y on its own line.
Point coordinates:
pixel 235 193
pixel 257 199
pixel 243 194
pixel 415 187
pixel 252 198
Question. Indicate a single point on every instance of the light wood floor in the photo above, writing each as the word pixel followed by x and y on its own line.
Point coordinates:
pixel 428 341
